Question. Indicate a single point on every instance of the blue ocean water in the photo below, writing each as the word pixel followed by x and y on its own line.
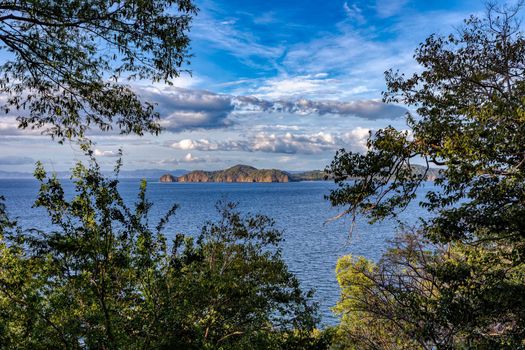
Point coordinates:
pixel 311 245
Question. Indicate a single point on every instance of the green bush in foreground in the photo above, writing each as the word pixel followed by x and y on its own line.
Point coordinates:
pixel 102 278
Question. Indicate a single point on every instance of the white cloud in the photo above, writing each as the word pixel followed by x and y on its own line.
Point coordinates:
pixel 242 44
pixel 354 13
pixel 189 109
pixel 100 153
pixel 367 109
pixel 297 86
pixel 389 8
pixel 187 159
pixel 186 109
pixel 291 144
pixel 188 144
pixel 285 159
pixel 287 143
pixel 356 139
pixel 207 145
pixel 275 127
pixel 185 81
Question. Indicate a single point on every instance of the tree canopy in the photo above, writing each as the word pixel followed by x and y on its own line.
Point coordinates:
pixel 468 103
pixel 68 58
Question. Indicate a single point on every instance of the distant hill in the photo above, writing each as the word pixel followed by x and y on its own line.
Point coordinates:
pixel 320 175
pixel 237 173
pixel 246 173
pixel 312 175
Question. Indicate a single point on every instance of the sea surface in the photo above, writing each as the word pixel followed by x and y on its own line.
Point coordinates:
pixel 312 243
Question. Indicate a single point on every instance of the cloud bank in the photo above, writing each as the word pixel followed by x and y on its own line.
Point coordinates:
pixel 367 109
pixel 187 109
pixel 287 143
pixel 183 109
pixel 100 153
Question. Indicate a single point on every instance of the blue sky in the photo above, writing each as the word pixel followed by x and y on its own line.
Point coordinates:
pixel 279 84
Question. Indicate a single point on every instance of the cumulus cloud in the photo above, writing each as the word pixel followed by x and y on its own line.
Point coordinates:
pixel 100 153
pixel 297 86
pixel 367 109
pixel 287 143
pixel 356 139
pixel 16 160
pixel 202 145
pixel 292 144
pixel 187 159
pixel 207 145
pixel 186 109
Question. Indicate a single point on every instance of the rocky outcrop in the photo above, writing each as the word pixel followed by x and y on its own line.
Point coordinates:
pixel 238 173
pixel 195 176
pixel 168 178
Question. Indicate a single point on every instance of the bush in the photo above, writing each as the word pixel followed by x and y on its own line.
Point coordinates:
pixel 104 278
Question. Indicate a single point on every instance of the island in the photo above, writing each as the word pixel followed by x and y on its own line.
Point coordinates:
pixel 168 178
pixel 246 173
pixel 238 173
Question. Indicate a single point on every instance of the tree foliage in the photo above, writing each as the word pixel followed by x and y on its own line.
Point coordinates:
pixel 104 277
pixel 67 58
pixel 469 105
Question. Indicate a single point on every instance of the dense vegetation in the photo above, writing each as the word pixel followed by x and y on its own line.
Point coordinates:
pixel 458 280
pixel 237 173
pixel 246 173
pixel 105 278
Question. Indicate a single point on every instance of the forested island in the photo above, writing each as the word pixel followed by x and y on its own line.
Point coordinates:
pixel 237 173
pixel 246 173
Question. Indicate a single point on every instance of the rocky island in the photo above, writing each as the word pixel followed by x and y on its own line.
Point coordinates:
pixel 238 173
pixel 168 178
pixel 246 173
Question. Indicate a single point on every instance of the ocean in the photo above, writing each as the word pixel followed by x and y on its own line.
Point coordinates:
pixel 312 243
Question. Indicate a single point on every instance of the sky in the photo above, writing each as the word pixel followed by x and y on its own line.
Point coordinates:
pixel 274 84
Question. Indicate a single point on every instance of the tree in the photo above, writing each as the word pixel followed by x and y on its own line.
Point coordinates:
pixel 67 58
pixel 103 277
pixel 469 120
pixel 399 302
